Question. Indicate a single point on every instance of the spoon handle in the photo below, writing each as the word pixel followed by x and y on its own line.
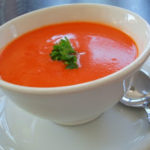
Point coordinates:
pixel 147 109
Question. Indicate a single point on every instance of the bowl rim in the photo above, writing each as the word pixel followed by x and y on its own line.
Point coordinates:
pixel 82 86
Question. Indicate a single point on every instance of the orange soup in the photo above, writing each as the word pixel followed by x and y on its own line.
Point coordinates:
pixel 103 50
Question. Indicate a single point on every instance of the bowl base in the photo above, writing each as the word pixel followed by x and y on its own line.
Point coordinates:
pixel 79 122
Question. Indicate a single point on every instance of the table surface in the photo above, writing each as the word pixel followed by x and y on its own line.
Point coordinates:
pixel 12 8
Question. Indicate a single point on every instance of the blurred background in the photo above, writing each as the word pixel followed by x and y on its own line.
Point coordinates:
pixel 12 8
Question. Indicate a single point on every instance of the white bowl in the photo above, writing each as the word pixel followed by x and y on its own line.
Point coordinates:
pixel 77 104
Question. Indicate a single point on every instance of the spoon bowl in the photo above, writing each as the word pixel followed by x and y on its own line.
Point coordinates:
pixel 137 89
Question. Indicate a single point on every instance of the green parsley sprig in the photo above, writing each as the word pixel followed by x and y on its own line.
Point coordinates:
pixel 63 51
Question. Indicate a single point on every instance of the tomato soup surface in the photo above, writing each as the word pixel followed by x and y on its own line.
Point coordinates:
pixel 102 50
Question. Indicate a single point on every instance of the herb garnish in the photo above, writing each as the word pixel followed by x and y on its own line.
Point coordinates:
pixel 63 51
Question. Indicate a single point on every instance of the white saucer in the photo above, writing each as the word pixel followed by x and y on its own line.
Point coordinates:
pixel 120 128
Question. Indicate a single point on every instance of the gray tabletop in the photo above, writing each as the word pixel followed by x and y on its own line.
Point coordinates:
pixel 13 8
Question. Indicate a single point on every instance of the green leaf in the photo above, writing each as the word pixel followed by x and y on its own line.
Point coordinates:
pixel 63 51
pixel 72 66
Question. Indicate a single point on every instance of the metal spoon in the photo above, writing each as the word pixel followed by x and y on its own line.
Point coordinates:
pixel 137 91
